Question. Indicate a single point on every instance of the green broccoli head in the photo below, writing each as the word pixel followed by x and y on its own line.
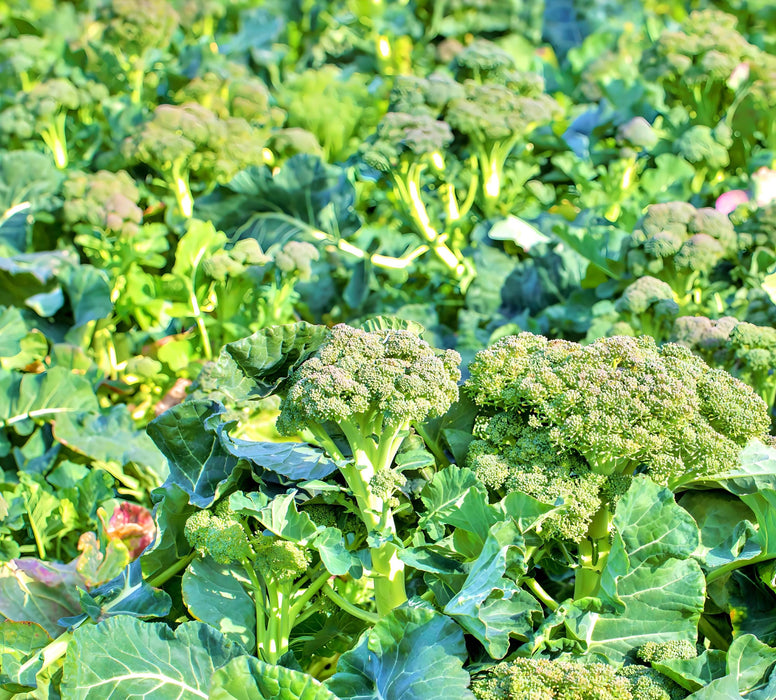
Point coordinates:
pixel 701 145
pixel 103 199
pixel 528 462
pixel 285 560
pixel 657 652
pixel 481 60
pixel 359 376
pixel 136 26
pixel 649 306
pixel 703 335
pixel 218 534
pixel 412 94
pixel 406 135
pixel 544 679
pixel 297 257
pixel 621 403
pixel 647 684
pixel 681 245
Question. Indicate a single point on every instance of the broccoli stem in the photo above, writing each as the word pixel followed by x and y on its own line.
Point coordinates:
pixel 348 607
pixel 55 138
pixel 593 552
pixel 369 459
pixel 179 182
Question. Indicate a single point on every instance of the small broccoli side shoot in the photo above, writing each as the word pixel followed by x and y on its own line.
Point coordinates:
pixel 282 580
pixel 562 420
pixel 372 386
pixel 649 307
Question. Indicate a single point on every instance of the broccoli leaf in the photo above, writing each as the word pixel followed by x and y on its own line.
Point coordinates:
pixel 124 658
pixel 215 594
pixel 248 678
pixel 413 652
pixel 651 590
pixel 187 435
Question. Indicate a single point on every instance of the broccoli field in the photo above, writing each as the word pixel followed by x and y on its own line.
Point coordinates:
pixel 387 349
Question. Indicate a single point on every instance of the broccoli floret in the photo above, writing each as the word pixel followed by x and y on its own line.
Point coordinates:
pixel 681 245
pixel 648 684
pixel 704 336
pixel 495 118
pixel 221 536
pixel 754 358
pixel 544 679
pixel 30 58
pixel 412 94
pixel 286 143
pixel 621 404
pixel 286 560
pixel 297 257
pixel 482 60
pixel 638 132
pixel 236 94
pixel 189 139
pixel 700 145
pixel 373 385
pixel 281 577
pixel 103 199
pixel 653 652
pixel 130 30
pixel 649 307
pixel 46 110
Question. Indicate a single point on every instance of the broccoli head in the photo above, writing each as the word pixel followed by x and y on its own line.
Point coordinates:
pixel 412 94
pixel 406 135
pixel 681 245
pixel 482 60
pixel 704 336
pixel 297 257
pixel 286 560
pixel 648 684
pixel 703 146
pixel 545 679
pixel 220 535
pixel 45 109
pixel 181 141
pixel 103 199
pixel 608 409
pixel 657 652
pixel 649 306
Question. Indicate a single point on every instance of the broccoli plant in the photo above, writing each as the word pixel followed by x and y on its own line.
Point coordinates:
pixel 646 306
pixel 682 246
pixel 495 119
pixel 189 140
pixel 562 420
pixel 282 579
pixel 126 38
pixel 404 148
pixel 47 111
pixel 746 350
pixel 371 386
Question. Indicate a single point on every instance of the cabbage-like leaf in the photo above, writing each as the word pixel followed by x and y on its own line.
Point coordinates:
pixel 123 657
pixel 412 653
pixel 248 678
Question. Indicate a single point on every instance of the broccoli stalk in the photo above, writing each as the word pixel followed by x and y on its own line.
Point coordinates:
pixel 404 147
pixel 564 421
pixel 282 584
pixel 373 386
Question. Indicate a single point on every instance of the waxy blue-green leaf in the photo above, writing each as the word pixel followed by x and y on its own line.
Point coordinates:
pixel 294 460
pixel 443 498
pixel 216 594
pixel 412 653
pixel 188 437
pixel 254 367
pixel 123 658
pixel 490 606
pixel 19 644
pixel 248 678
pixel 651 590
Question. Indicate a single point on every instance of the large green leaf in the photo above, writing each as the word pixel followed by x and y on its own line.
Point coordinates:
pixel 651 590
pixel 412 653
pixel 256 366
pixel 444 495
pixel 216 594
pixel 187 435
pixel 124 658
pixel 247 678
pixel 490 606
pixel 294 460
